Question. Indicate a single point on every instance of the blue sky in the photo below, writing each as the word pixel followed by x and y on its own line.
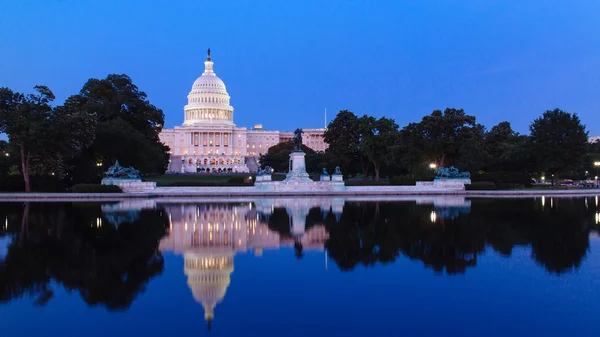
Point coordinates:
pixel 284 62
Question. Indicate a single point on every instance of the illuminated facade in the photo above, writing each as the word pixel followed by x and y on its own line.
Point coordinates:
pixel 209 141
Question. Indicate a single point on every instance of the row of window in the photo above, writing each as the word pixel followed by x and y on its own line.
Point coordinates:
pixel 209 100
pixel 214 161
pixel 259 146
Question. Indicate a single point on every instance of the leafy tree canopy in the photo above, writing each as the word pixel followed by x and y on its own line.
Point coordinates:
pixel 559 142
pixel 46 137
pixel 125 117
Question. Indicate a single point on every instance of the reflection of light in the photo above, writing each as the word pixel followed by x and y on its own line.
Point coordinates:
pixel 6 223
pixel 185 227
pixel 597 218
pixel 586 204
pixel 249 205
pixel 433 216
pixel 543 201
pixel 551 202
pixel 98 222
pixel 596 201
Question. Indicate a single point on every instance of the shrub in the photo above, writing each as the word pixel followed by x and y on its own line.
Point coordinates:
pixel 95 188
pixel 510 186
pixel 480 186
pixel 403 181
pixel 209 183
pixel 366 183
pixel 237 180
pixel 278 177
pixel 498 178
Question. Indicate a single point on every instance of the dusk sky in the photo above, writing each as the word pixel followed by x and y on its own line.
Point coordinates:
pixel 284 62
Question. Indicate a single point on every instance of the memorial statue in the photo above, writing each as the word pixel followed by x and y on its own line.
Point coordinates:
pixel 325 173
pixel 451 173
pixel 298 140
pixel 260 172
pixel 119 172
pixel 267 170
pixel 337 171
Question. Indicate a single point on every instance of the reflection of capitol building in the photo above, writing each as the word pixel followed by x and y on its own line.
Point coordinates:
pixel 209 236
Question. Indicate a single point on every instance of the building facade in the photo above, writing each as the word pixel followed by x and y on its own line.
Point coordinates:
pixel 208 141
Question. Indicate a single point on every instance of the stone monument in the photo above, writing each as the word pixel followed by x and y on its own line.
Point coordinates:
pixel 297 170
pixel 451 177
pixel 127 178
pixel 297 179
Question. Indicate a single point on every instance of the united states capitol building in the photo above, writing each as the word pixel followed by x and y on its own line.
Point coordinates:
pixel 209 141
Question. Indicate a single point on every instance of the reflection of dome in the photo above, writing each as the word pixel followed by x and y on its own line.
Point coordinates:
pixel 208 101
pixel 209 276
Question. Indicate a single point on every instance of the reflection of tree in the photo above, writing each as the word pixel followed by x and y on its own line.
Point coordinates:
pixel 70 244
pixel 369 233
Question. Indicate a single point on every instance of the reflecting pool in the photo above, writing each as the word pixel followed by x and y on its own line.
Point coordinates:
pixel 445 266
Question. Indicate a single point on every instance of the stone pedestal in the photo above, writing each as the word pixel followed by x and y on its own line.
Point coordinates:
pixel 297 171
pixel 298 179
pixel 131 185
pixel 451 183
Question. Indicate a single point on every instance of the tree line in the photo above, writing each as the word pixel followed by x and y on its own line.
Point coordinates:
pixel 557 146
pixel 75 142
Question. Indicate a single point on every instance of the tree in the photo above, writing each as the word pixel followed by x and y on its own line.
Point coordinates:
pixel 124 117
pixel 506 150
pixel 26 121
pixel 376 138
pixel 278 158
pixel 558 142
pixel 342 136
pixel 7 157
pixel 441 135
pixel 44 136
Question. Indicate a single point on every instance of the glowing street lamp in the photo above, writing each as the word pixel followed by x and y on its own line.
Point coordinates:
pixel 432 166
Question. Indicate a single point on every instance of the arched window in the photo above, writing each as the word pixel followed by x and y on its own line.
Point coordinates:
pixel 205 161
pixel 190 161
pixel 228 161
pixel 213 161
pixel 221 161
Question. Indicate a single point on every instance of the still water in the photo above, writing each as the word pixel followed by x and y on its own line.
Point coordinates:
pixel 301 267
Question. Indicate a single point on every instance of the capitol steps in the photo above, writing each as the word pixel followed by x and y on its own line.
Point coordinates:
pixel 175 164
pixel 252 164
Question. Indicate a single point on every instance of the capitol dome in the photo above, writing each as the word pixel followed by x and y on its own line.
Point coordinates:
pixel 208 101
